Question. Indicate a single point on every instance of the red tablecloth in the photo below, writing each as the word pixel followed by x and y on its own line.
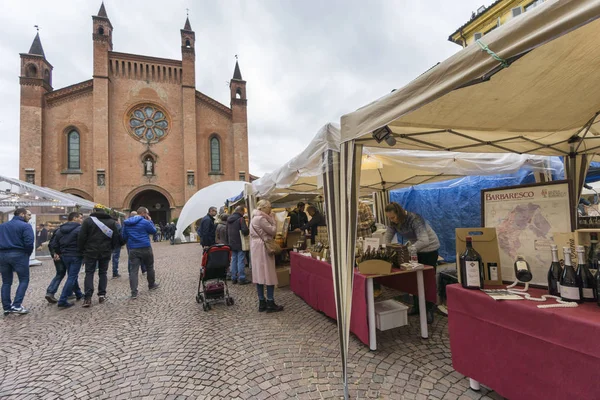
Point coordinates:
pixel 523 352
pixel 312 280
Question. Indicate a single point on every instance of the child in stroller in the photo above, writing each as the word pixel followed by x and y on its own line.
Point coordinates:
pixel 213 272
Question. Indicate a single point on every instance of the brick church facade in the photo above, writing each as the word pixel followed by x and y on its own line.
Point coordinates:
pixel 137 134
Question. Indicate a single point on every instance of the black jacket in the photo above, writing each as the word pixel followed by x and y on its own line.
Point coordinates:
pixel 297 219
pixel 207 230
pixel 93 243
pixel 235 224
pixel 64 241
pixel 316 221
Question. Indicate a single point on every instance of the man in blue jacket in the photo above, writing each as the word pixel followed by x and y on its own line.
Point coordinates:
pixel 66 247
pixel 16 245
pixel 208 229
pixel 136 231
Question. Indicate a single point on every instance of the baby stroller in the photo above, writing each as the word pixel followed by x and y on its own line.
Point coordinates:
pixel 213 272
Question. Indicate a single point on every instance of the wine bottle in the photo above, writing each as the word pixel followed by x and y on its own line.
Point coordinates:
pixel 593 256
pixel 554 273
pixel 471 267
pixel 588 289
pixel 569 283
pixel 522 270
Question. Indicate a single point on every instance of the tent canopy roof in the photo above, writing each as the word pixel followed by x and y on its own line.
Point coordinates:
pixel 470 103
pixel 390 168
pixel 27 195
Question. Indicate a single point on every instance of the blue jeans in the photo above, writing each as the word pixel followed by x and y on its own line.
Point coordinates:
pixel 116 256
pixel 73 266
pixel 238 262
pixel 60 274
pixel 11 262
pixel 261 291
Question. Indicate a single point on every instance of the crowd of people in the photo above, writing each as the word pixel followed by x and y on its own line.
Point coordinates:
pixel 94 242
pixel 91 243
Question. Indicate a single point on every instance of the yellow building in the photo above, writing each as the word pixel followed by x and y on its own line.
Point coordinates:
pixel 486 19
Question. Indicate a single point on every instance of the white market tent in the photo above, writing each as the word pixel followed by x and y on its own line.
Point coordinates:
pixel 529 86
pixel 386 169
pixel 17 193
pixel 211 196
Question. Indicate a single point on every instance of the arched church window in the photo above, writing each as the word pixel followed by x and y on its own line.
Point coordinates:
pixel 238 93
pixel 31 71
pixel 100 30
pixel 148 122
pixel 73 150
pixel 187 43
pixel 215 155
pixel 47 76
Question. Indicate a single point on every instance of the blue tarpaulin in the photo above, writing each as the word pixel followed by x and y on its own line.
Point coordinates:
pixel 453 204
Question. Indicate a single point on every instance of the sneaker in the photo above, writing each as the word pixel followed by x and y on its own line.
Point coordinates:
pixel 116 276
pixel 19 310
pixel 87 303
pixel 133 296
pixel 154 287
pixel 101 299
pixel 244 282
pixel 50 298
pixel 65 305
pixel 6 312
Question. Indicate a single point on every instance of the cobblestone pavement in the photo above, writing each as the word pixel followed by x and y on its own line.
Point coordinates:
pixel 163 346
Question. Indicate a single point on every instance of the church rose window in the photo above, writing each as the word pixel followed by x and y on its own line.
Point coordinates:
pixel 148 122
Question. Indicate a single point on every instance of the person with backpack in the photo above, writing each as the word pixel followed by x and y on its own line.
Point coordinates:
pixel 67 250
pixel 236 226
pixel 96 240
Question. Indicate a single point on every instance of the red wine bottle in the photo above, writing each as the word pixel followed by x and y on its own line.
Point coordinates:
pixel 522 270
pixel 554 273
pixel 593 253
pixel 569 283
pixel 588 286
pixel 471 267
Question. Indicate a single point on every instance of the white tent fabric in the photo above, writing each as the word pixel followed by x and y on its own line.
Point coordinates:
pixel 387 169
pixel 527 87
pixel 211 196
pixel 32 195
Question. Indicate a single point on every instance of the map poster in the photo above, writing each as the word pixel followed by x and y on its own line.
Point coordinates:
pixel 526 218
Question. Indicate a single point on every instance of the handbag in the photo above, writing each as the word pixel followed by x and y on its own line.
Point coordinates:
pixel 273 249
pixel 245 242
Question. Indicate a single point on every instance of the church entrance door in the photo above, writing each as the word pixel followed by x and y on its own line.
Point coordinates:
pixel 156 203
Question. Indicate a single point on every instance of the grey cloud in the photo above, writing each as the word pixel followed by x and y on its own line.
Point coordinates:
pixel 306 63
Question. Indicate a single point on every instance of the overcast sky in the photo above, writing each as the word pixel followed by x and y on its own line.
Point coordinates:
pixel 306 62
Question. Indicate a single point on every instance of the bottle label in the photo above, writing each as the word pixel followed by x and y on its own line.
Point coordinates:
pixel 493 271
pixel 521 265
pixel 571 293
pixel 588 293
pixel 473 277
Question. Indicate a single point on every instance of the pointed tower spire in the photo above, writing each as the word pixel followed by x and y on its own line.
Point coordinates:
pixel 36 46
pixel 236 73
pixel 187 26
pixel 102 11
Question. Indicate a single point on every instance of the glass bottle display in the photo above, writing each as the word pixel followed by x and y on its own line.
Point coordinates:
pixel 592 255
pixel 522 270
pixel 588 290
pixel 471 267
pixel 554 273
pixel 569 283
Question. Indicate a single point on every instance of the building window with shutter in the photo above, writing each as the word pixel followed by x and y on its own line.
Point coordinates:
pixel 73 150
pixel 215 155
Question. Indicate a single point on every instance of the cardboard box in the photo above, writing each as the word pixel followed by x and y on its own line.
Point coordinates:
pixel 283 277
pixel 292 239
pixel 375 267
pixel 485 242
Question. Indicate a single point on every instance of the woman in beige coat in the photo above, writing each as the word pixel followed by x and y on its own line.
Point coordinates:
pixel 262 228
